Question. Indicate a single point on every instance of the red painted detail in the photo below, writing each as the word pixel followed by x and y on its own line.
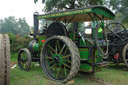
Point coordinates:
pixel 43 41
pixel 116 56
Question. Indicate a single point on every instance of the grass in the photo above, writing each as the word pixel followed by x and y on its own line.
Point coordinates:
pixel 116 75
pixel 112 75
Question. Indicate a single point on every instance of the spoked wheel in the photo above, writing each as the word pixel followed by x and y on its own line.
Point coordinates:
pixel 24 59
pixel 60 58
pixel 4 59
pixel 115 30
pixel 125 54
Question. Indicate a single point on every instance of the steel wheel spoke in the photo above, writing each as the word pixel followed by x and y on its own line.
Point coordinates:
pixel 51 62
pixel 65 71
pixel 62 49
pixel 66 56
pixel 21 64
pixel 66 65
pixel 58 71
pixel 51 53
pixel 52 49
pixel 52 66
pixel 55 69
pixel 50 58
pixel 56 49
pixel 58 44
pixel 69 61
pixel 24 65
pixel 65 50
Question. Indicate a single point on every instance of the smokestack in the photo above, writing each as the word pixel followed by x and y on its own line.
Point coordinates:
pixel 36 24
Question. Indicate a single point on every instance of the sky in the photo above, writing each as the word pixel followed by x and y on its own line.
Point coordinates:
pixel 20 9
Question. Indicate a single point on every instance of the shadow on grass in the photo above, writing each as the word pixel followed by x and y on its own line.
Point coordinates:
pixel 120 67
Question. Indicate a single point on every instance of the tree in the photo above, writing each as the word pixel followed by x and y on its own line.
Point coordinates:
pixel 57 5
pixel 16 26
pixel 43 1
pixel 23 27
pixel 8 25
pixel 120 6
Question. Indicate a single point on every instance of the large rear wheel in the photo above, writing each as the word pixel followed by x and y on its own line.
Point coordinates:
pixel 60 58
pixel 4 59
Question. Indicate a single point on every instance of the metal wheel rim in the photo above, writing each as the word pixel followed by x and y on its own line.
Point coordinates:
pixel 61 68
pixel 116 34
pixel 23 61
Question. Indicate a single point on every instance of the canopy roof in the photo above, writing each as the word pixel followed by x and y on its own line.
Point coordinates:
pixel 79 15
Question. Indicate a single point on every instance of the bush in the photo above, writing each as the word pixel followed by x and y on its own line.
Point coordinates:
pixel 17 42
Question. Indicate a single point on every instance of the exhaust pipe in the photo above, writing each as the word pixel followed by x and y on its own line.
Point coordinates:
pixel 36 24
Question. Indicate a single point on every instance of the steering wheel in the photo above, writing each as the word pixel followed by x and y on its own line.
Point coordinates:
pixel 104 53
pixel 116 29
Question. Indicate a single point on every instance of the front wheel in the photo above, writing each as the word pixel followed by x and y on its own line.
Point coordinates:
pixel 60 59
pixel 24 59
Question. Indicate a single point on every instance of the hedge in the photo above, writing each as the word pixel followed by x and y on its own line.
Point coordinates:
pixel 17 42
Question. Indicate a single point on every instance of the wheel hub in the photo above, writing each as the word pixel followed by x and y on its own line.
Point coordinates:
pixel 58 59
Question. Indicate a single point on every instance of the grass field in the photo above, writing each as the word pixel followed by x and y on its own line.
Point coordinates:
pixel 110 75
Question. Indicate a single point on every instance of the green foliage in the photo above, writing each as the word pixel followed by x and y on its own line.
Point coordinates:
pixel 16 26
pixel 23 27
pixel 56 5
pixel 120 6
pixel 17 42
pixel 35 1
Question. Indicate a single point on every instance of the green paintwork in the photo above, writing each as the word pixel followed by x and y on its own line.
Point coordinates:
pixel 84 52
pixel 40 40
pixel 85 68
pixel 36 47
pixel 82 15
pixel 66 15
pixel 52 15
pixel 84 55
pixel 60 59
pixel 104 12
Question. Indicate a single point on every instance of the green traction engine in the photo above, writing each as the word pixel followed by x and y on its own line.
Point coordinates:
pixel 62 48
